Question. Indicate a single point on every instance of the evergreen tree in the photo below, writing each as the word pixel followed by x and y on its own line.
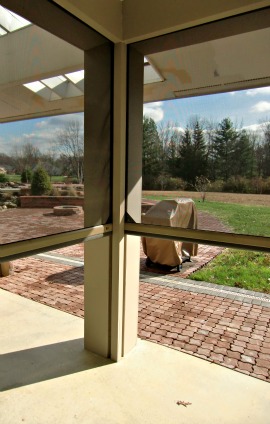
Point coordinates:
pixel 266 150
pixel 245 157
pixel 199 159
pixel 26 175
pixel 172 154
pixel 192 154
pixel 40 182
pixel 210 128
pixel 225 149
pixel 185 157
pixel 152 154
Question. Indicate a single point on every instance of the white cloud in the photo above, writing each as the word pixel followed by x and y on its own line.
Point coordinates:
pixel 256 91
pixel 60 120
pixel 258 128
pixel 154 111
pixel 41 124
pixel 261 106
pixel 178 129
pixel 253 127
pixel 42 134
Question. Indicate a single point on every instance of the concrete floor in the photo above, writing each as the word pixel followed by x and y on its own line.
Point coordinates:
pixel 47 377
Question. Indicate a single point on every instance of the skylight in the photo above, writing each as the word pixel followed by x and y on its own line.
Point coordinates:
pixel 10 21
pixel 35 86
pixel 75 77
pixel 59 86
pixel 2 32
pixel 54 81
pixel 150 73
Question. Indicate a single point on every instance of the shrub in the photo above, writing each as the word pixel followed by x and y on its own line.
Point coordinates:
pixel 236 185
pixel 216 186
pixel 27 175
pixel 71 191
pixel 40 182
pixel 164 182
pixel 55 191
pixel 3 178
pixel 266 186
pixel 202 185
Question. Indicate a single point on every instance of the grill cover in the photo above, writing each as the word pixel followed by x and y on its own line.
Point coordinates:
pixel 179 213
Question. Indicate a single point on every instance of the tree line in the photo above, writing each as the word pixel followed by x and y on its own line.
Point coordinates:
pixel 63 157
pixel 229 159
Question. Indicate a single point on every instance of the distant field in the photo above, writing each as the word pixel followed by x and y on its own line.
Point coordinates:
pixel 246 214
pixel 244 199
pixel 17 178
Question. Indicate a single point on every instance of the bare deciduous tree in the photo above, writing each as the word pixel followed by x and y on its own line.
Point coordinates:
pixel 24 156
pixel 70 142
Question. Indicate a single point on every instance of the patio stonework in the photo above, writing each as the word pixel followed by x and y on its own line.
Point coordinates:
pixel 230 333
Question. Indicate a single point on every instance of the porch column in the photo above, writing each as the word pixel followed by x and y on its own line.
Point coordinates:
pixel 111 263
pixel 97 196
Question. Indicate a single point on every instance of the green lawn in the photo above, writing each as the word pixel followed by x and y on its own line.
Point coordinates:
pixel 244 219
pixel 57 179
pixel 238 268
pixel 17 178
pixel 14 178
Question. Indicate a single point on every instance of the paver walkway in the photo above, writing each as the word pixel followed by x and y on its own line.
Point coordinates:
pixel 232 333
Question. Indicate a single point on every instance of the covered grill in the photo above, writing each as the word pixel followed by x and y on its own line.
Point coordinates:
pixel 179 213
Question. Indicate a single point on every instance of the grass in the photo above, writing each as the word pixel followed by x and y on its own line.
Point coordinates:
pixel 17 178
pixel 243 219
pixel 235 268
pixel 14 178
pixel 238 268
pixel 57 179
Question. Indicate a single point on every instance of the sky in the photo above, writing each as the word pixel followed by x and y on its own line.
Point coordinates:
pixel 246 108
pixel 41 132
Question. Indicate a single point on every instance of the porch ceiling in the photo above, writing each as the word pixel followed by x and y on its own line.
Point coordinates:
pixel 32 54
pixel 226 64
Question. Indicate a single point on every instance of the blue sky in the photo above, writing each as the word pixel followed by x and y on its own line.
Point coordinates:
pixel 245 108
pixel 41 132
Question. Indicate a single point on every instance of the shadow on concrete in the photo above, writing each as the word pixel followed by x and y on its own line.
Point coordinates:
pixel 42 363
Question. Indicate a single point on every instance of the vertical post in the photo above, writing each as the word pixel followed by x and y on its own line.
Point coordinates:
pixel 119 167
pixel 135 135
pixel 133 196
pixel 126 192
pixel 112 263
pixel 97 199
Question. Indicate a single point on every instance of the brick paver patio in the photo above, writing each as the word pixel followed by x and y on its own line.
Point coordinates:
pixel 229 332
pixel 22 224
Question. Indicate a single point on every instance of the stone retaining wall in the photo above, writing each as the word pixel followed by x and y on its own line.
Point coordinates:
pixel 50 201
